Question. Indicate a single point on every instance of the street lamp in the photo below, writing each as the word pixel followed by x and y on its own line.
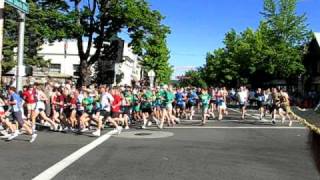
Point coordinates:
pixel 152 76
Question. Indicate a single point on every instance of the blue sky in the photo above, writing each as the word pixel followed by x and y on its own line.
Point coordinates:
pixel 199 26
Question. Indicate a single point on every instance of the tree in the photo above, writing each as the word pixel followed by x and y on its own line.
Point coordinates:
pixel 94 23
pixel 193 78
pixel 275 50
pixel 156 56
pixel 220 68
pixel 42 24
pixel 285 33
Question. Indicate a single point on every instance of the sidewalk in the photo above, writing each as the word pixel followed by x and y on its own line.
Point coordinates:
pixel 309 117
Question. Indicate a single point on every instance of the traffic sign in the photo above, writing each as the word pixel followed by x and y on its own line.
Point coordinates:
pixel 21 5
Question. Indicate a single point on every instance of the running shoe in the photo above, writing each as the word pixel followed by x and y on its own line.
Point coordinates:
pixel 160 126
pixel 290 123
pixel 84 130
pixel 177 120
pixel 273 122
pixel 96 133
pixel 156 120
pixel 33 138
pixel 119 129
pixel 127 128
pixel 4 132
pixel 5 135
pixel 13 135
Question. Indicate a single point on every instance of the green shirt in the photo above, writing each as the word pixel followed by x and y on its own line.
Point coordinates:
pixel 147 100
pixel 88 104
pixel 169 97
pixel 205 99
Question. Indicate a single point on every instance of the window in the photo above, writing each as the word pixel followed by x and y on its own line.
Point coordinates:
pixel 76 70
pixel 55 68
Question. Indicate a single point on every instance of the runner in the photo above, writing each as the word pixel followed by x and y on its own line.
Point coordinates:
pixel 41 98
pixel 15 103
pixel 192 99
pixel 106 101
pixel 205 99
pixel 221 97
pixel 180 100
pixel 213 102
pixel 285 106
pixel 147 108
pixel 30 98
pixel 243 101
pixel 136 110
pixel 275 104
pixel 261 102
pixel 116 109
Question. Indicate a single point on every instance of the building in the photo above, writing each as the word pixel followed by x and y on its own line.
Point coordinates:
pixel 64 63
pixel 312 64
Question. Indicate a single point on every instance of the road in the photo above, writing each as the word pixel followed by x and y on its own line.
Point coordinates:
pixel 226 150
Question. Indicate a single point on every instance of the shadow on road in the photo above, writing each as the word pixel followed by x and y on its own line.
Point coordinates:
pixel 315 148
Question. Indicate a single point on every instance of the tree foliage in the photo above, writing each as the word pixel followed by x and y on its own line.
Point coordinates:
pixel 273 51
pixel 156 57
pixel 193 78
pixel 94 23
pixel 43 23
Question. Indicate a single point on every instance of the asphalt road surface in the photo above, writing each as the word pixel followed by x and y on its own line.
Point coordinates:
pixel 231 149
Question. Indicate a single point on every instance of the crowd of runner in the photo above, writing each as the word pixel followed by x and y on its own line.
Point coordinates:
pixel 63 107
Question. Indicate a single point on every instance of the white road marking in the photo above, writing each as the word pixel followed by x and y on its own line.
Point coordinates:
pixel 247 114
pixel 64 163
pixel 237 127
pixel 246 120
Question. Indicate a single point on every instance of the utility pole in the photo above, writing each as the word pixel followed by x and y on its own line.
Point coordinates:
pixel 1 35
pixel 20 51
pixel 23 7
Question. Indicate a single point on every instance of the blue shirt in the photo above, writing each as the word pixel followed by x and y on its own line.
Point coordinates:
pixel 179 98
pixel 16 98
pixel 192 97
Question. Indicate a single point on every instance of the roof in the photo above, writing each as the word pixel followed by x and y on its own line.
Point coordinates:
pixel 317 36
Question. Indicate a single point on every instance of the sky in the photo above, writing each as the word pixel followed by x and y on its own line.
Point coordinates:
pixel 199 26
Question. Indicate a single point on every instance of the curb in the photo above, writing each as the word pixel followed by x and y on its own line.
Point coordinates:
pixel 306 123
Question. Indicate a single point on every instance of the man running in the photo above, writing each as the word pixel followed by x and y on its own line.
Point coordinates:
pixel 15 103
pixel 205 100
pixel 243 101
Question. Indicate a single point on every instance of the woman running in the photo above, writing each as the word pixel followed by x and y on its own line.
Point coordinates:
pixel 41 98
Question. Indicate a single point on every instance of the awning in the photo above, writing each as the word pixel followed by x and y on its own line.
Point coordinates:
pixel 315 80
pixel 59 75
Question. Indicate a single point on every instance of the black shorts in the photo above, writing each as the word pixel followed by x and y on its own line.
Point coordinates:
pixel 147 110
pixel 116 114
pixel 18 117
pixel 80 112
pixel 242 105
pixel 67 111
pixel 260 104
pixel 274 107
pixel 190 105
pixel 126 110
pixel 212 101
pixel 105 114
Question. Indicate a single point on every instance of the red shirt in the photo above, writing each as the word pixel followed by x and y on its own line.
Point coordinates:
pixel 29 97
pixel 73 101
pixel 117 101
pixel 59 101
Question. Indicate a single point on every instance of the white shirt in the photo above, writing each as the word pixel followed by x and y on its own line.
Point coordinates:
pixel 243 96
pixel 106 101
